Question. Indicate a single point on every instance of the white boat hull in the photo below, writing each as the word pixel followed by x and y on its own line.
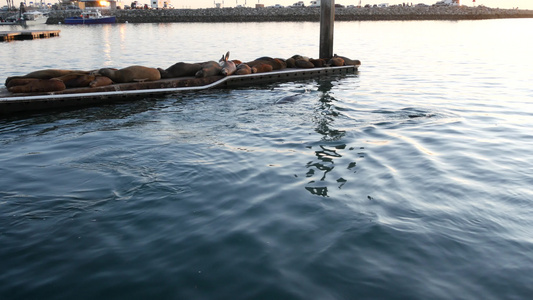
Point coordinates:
pixel 39 21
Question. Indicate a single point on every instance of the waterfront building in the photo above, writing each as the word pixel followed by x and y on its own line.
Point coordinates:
pixel 158 4
pixel 448 3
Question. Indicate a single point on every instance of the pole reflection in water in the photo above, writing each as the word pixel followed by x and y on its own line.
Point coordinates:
pixel 330 151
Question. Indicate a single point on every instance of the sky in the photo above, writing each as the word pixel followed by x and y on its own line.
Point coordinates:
pixel 523 4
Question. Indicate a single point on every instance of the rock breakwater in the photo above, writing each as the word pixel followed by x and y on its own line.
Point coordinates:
pixel 301 14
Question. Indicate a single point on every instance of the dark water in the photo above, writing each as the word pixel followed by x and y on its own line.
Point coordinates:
pixel 409 180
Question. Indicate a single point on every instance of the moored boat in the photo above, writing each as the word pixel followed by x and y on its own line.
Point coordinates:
pixel 12 21
pixel 16 18
pixel 91 17
pixel 35 17
pixel 315 3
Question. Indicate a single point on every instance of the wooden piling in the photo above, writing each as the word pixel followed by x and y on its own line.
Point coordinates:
pixel 327 19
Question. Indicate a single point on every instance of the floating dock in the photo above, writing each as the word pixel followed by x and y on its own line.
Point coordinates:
pixel 6 36
pixel 14 103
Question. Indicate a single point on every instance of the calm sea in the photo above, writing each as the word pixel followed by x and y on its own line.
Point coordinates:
pixel 411 179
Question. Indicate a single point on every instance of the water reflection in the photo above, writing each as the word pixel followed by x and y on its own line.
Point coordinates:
pixel 325 113
pixel 322 170
pixel 324 165
pixel 106 41
pixel 119 110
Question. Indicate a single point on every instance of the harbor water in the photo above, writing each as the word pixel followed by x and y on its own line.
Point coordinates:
pixel 410 179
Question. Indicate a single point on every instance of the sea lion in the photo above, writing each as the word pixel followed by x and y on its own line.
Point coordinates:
pixel 228 66
pixel 19 81
pixel 100 81
pixel 262 68
pixel 289 99
pixel 318 63
pixel 97 72
pixel 210 68
pixel 46 74
pixel 243 69
pixel 336 62
pixel 304 64
pixel 75 80
pixel 298 57
pixel 276 63
pixel 282 62
pixel 236 61
pixel 349 62
pixel 290 63
pixel 39 86
pixel 180 69
pixel 131 74
pixel 81 81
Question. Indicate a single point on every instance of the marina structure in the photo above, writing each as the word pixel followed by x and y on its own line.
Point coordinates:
pixel 10 103
pixel 82 96
pixel 6 36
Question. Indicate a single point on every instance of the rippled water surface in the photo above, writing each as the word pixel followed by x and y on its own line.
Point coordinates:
pixel 408 180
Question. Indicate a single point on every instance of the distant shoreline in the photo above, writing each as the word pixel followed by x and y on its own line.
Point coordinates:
pixel 301 14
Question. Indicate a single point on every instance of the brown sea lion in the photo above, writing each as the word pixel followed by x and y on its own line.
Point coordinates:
pixel 304 64
pixel 81 81
pixel 210 68
pixel 318 63
pixel 290 63
pixel 19 81
pixel 131 74
pixel 349 62
pixel 276 63
pixel 75 80
pixel 262 68
pixel 39 86
pixel 100 81
pixel 336 62
pixel 298 57
pixel 46 74
pixel 236 61
pixel 228 66
pixel 70 76
pixel 243 69
pixel 180 69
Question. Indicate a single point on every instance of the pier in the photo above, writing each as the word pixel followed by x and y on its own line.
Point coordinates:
pixel 6 36
pixel 10 103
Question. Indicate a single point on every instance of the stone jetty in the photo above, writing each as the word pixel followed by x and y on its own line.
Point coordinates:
pixel 307 14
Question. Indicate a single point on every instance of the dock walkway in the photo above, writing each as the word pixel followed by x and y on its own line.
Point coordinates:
pixel 6 36
pixel 13 103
